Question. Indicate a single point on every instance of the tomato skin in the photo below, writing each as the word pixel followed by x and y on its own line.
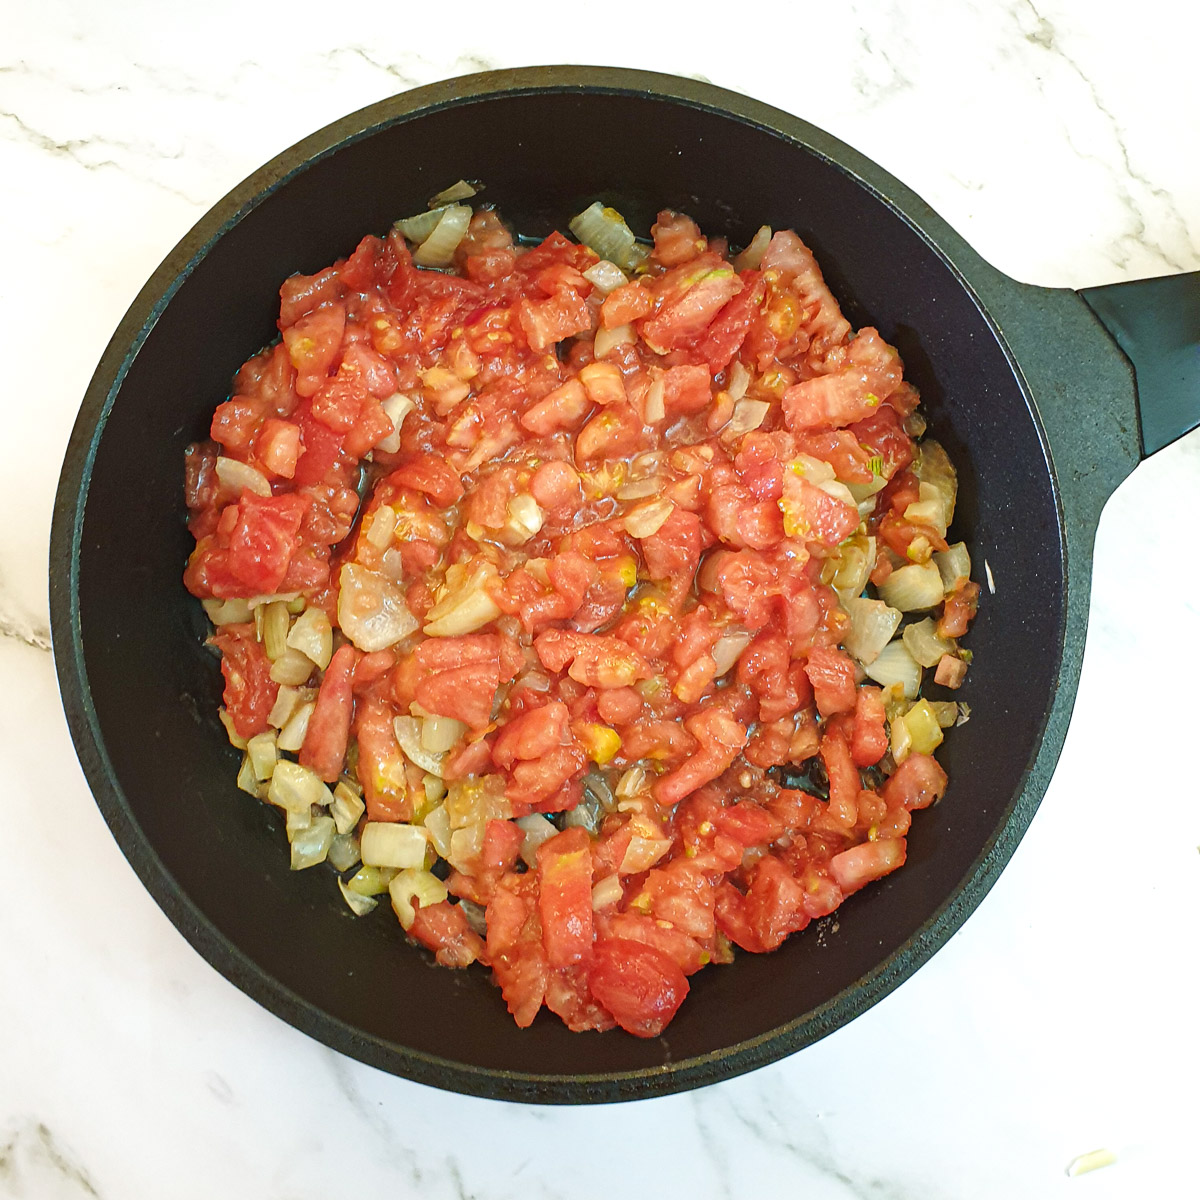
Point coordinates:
pixel 325 743
pixel 638 984
pixel 564 873
pixel 250 692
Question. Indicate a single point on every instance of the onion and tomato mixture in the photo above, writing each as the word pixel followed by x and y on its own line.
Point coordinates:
pixel 579 597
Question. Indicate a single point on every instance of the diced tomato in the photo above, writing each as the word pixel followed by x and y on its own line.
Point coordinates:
pixel 625 304
pixel 831 673
pixel 774 903
pixel 689 297
pixel 313 344
pixel 674 550
pixel 686 390
pixel 381 763
pixel 959 610
pixel 870 739
pixel 328 734
pixel 564 871
pixel 725 335
pixel 638 984
pixel 514 946
pixel 250 691
pixel 860 864
pixel 431 474
pixel 443 928
pixel 844 783
pixel 278 447
pixel 262 541
pixel 689 954
pixel 917 782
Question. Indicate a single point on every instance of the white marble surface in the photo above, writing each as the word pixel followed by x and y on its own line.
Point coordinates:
pixel 1060 137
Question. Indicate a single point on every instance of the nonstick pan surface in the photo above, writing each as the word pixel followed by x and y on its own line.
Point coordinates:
pixel 993 359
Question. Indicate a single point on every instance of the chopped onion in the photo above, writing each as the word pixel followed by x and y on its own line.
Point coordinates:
pixel 604 231
pixel 297 788
pixel 639 489
pixel 901 740
pixel 381 527
pixel 227 612
pixel 925 644
pixel 418 228
pixel 607 893
pixel 439 734
pixel 413 889
pixel 739 380
pixel 371 881
pixel 872 624
pixel 359 905
pixel 292 668
pixel 297 822
pixel 238 475
pixel 929 509
pixel 273 620
pixel 466 605
pixel 596 786
pixel 654 406
pixel 292 735
pixel 934 468
pixel 609 339
pixel 262 754
pixel 397 406
pixel 537 829
pixel 954 566
pixel 747 415
pixel 848 570
pixel 286 701
pixel 913 588
pixel 749 259
pixel 863 493
pixel 346 808
pixel 461 190
pixel 408 734
pixel 437 822
pixel 393 844
pixel 894 664
pixel 248 781
pixel 642 853
pixel 372 612
pixel 235 739
pixel 524 519
pixel 923 728
pixel 946 712
pixel 605 276
pixel 437 250
pixel 344 851
pixel 646 519
pixel 631 783
pixel 729 647
pixel 466 844
pixel 476 916
pixel 588 813
pixel 311 846
pixel 312 635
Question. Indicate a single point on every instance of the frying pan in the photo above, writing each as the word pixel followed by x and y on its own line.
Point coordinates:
pixel 1030 392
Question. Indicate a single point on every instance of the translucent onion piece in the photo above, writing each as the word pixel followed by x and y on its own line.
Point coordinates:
pixel 393 844
pixel 263 756
pixel 275 622
pixel 381 527
pixel 642 853
pixel 596 786
pixel 371 881
pixel 292 668
pixel 238 475
pixel 435 789
pixel 311 846
pixel 605 276
pixel 286 701
pixel 414 888
pixel 247 780
pixel 297 788
pixel 924 643
pixel 848 570
pixel 654 407
pixel 344 851
pixel 464 608
pixel 397 406
pixel 608 340
pixel 930 509
pixel 476 916
pixel 418 228
pixel 437 250
pixel 933 466
pixel 359 905
pixel 872 624
pixel 639 489
pixel 604 231
pixel 235 739
pixel 371 609
pixel 923 728
pixel 913 588
pixel 894 664
pixel 954 565
pixel 749 259
pixel 408 734
pixel 729 649
pixel 608 892
pixel 647 519
pixel 862 492
pixel 739 380
pixel 439 734
pixel 631 783
pixel 523 520
pixel 437 822
pixel 461 190
pixel 466 845
pixel 537 829
pixel 588 813
pixel 747 415
pixel 298 821
pixel 292 735
pixel 346 808
pixel 312 635
pixel 901 740
pixel 227 612
pixel 946 712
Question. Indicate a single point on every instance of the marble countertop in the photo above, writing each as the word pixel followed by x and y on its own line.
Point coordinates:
pixel 1059 136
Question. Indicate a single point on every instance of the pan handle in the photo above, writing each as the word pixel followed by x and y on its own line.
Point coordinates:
pixel 1157 323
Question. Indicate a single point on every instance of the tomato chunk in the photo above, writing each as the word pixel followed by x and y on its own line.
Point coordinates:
pixel 638 984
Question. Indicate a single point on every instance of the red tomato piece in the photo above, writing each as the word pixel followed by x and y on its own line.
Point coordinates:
pixel 431 474
pixel 857 866
pixel 869 742
pixel 641 986
pixel 250 692
pixel 564 873
pixel 263 540
pixel 381 763
pixel 443 928
pixel 917 782
pixel 831 673
pixel 313 344
pixel 325 743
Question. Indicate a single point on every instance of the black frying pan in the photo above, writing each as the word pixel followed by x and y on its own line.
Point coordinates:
pixel 1033 398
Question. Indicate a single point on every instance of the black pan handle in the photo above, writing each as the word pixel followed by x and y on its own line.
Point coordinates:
pixel 1157 323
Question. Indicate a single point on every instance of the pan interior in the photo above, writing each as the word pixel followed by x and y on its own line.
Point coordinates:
pixel 288 938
